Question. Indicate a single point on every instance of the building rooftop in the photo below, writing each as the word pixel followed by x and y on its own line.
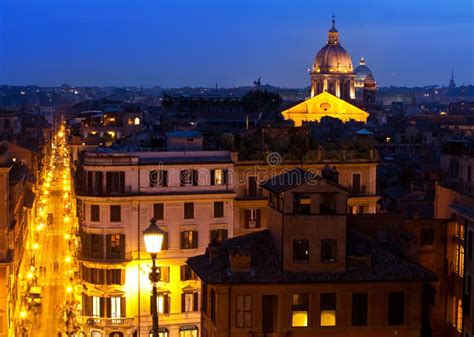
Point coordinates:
pixel 266 266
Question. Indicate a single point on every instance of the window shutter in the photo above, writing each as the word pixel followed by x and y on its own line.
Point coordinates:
pixel 225 176
pixel 108 182
pixel 165 178
pixel 99 182
pixel 195 239
pixel 122 276
pixel 182 239
pixel 166 300
pixel 122 246
pixel 102 307
pixel 183 302
pixel 195 301
pixel 85 307
pixel 108 243
pixel 166 274
pixel 194 275
pixel 195 177
pixel 213 177
pixel 123 307
pixel 247 218
pixel 182 272
pixel 258 217
pixel 109 306
pixel 102 275
pixel 164 245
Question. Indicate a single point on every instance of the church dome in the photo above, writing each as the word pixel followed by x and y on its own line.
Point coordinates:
pixel 361 71
pixel 333 58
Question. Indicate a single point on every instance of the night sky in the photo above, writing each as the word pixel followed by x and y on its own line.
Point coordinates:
pixel 176 43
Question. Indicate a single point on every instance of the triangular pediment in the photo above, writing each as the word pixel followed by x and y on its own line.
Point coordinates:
pixel 324 104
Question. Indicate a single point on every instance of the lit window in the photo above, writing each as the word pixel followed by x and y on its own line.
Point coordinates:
pixel 95 306
pixel 162 332
pixel 115 307
pixel 459 316
pixel 328 309
pixel 189 302
pixel 244 311
pixel 299 310
pixel 217 177
pixel 188 331
pixel 136 121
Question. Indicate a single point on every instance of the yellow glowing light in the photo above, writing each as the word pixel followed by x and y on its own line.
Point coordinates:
pixel 67 218
pixel 29 276
pixel 69 290
pixel 35 246
pixel 61 134
pixel 68 259
pixel 23 314
pixel 299 319
pixel 328 318
pixel 67 236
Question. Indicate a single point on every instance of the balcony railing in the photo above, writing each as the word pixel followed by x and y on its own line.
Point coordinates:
pixel 101 322
pixel 271 334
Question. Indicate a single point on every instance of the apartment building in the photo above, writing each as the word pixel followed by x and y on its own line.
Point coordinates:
pixel 308 274
pixel 357 173
pixel 454 202
pixel 190 194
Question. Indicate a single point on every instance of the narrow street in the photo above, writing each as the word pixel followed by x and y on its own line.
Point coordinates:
pixel 46 304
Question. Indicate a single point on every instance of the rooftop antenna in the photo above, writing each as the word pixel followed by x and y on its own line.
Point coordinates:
pixel 333 21
pixel 452 73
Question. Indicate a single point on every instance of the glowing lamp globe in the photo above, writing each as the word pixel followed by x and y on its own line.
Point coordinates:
pixel 153 236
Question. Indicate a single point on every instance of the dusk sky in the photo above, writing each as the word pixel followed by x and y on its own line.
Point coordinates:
pixel 175 43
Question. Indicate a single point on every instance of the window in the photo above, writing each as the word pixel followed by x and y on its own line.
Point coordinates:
pixel 218 235
pixel 162 303
pixel 301 203
pixel 328 203
pixel 468 284
pixel 114 276
pixel 96 306
pixel 427 236
pixel 218 177
pixel 157 178
pixel 328 250
pixel 158 212
pixel 359 309
pixel 459 315
pixel 328 309
pixel 136 121
pixel 115 307
pixel 244 311
pixel 164 245
pixel 164 274
pixel 252 218
pixel 469 245
pixel 356 183
pixel 218 209
pixel 252 187
pixel 301 250
pixel 459 259
pixel 189 239
pixel 189 301
pixel 187 273
pixel 115 243
pixel 299 310
pixel 95 213
pixel 188 331
pixel 189 210
pixel 115 213
pixel 188 178
pixel 115 182
pixel 396 308
pixel 96 248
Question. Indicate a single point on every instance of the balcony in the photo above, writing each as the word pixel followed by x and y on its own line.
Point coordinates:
pixel 100 258
pixel 103 323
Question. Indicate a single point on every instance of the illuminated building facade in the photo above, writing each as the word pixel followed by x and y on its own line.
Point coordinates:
pixel 191 196
pixel 307 274
pixel 333 86
pixel 454 202
pixel 358 174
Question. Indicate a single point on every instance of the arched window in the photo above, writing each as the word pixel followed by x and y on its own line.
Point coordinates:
pixel 136 121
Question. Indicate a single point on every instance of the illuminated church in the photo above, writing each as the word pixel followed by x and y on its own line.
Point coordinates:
pixel 334 82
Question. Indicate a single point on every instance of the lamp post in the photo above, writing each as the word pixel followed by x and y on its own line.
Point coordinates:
pixel 153 236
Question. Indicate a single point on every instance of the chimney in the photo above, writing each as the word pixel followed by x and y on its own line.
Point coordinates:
pixel 240 259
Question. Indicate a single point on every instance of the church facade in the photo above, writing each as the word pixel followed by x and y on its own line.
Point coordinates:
pixel 334 82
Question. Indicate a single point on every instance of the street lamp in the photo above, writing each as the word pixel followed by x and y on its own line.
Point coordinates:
pixel 153 236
